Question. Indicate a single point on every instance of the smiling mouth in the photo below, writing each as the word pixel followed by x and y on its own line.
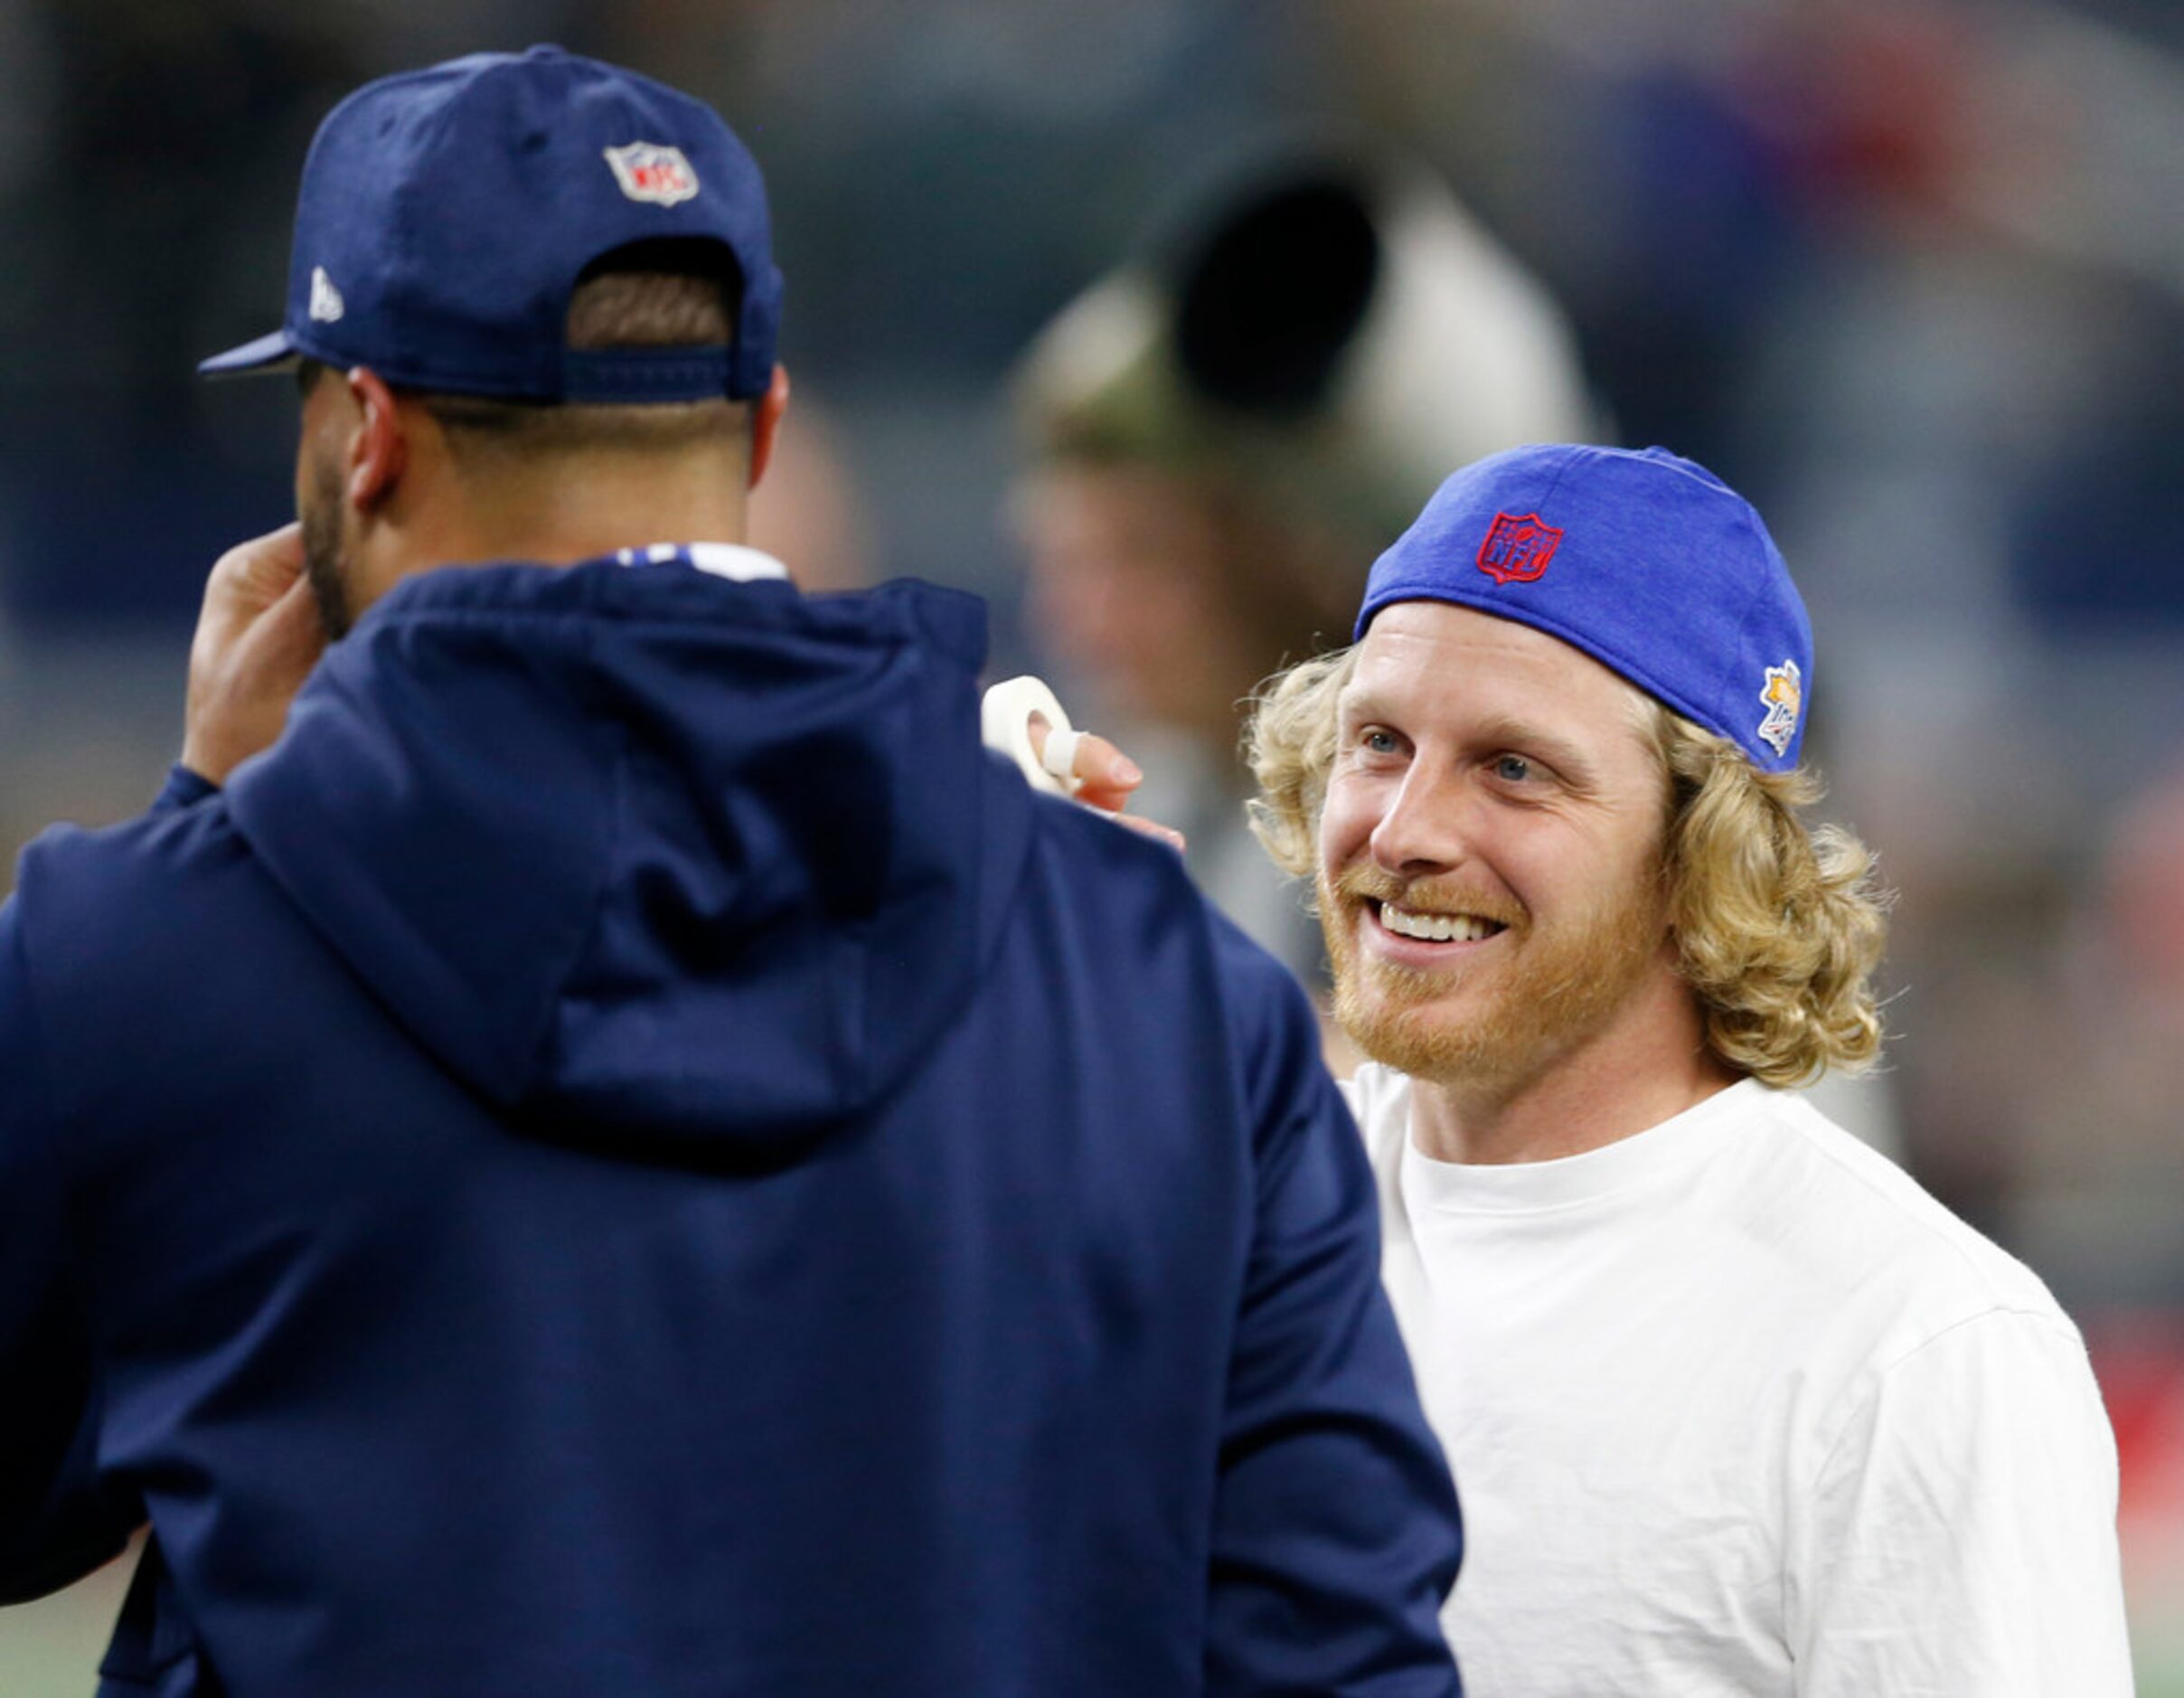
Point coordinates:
pixel 1436 928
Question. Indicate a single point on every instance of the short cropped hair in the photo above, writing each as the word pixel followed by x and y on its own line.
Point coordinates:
pixel 1778 926
pixel 649 295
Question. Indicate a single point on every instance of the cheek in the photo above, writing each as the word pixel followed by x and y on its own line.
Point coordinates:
pixel 1346 822
pixel 1579 875
pixel 318 467
pixel 318 490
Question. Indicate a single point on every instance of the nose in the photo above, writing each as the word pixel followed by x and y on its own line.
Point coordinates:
pixel 1426 828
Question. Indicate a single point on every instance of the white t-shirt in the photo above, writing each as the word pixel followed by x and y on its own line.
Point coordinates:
pixel 1735 1407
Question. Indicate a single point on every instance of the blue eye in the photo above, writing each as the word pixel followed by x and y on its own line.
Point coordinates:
pixel 1380 742
pixel 1513 769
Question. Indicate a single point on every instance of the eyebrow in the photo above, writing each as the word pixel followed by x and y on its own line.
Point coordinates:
pixel 1359 706
pixel 1507 732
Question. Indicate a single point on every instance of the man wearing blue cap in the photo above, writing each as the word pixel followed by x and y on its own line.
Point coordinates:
pixel 1735 1405
pixel 599 1164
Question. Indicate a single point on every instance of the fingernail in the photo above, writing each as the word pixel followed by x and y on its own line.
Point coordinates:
pixel 1126 770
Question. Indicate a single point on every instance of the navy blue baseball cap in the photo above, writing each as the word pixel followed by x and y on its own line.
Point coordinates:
pixel 1647 561
pixel 446 214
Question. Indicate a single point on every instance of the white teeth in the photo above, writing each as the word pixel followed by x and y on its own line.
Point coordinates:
pixel 1436 928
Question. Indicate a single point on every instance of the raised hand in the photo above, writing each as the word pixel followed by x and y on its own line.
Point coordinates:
pixel 258 635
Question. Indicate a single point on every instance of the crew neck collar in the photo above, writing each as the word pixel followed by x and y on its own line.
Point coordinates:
pixel 734 561
pixel 1570 1180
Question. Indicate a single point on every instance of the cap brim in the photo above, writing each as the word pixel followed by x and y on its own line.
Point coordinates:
pixel 274 352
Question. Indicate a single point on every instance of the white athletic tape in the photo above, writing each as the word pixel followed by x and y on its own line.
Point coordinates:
pixel 1005 725
pixel 1060 756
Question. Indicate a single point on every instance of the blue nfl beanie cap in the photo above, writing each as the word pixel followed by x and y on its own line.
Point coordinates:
pixel 446 214
pixel 1647 561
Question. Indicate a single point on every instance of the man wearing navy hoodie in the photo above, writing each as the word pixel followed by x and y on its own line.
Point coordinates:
pixel 625 1156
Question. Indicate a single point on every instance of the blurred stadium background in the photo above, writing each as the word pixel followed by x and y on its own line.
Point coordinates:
pixel 1910 273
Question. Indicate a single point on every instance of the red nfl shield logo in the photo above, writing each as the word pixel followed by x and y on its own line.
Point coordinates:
pixel 652 171
pixel 1518 547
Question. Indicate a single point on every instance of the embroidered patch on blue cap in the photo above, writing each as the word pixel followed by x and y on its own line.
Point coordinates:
pixel 1784 698
pixel 650 171
pixel 1647 561
pixel 445 215
pixel 1518 549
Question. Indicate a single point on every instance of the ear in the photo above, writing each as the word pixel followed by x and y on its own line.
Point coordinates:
pixel 379 448
pixel 766 420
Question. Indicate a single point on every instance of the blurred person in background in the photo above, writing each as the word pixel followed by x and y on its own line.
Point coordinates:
pixel 593 1163
pixel 1228 426
pixel 1737 1407
pixel 810 509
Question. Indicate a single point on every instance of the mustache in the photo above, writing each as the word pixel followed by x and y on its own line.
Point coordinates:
pixel 1366 883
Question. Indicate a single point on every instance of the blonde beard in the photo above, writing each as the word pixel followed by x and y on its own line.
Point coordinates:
pixel 1560 988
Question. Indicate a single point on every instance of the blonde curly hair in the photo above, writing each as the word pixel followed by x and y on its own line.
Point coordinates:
pixel 1778 926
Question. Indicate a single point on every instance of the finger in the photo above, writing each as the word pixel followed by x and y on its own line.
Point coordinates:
pixel 1154 829
pixel 240 688
pixel 279 650
pixel 251 576
pixel 1105 776
pixel 1053 753
pixel 272 563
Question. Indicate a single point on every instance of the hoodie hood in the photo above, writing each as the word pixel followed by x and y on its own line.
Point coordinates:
pixel 643 855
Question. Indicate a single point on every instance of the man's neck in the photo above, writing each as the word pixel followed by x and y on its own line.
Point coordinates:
pixel 558 525
pixel 1621 1082
pixel 558 513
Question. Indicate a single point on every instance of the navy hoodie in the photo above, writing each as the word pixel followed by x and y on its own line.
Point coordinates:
pixel 626 1156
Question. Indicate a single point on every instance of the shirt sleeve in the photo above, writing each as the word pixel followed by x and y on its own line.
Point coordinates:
pixel 1962 1537
pixel 57 1521
pixel 184 789
pixel 1336 1535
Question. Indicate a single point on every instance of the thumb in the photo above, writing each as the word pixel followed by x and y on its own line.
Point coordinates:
pixel 281 646
pixel 252 576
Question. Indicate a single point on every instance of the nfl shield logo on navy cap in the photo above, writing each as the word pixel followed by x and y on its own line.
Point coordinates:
pixel 447 215
pixel 648 171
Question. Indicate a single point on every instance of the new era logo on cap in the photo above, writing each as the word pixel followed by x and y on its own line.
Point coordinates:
pixel 326 307
pixel 650 171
